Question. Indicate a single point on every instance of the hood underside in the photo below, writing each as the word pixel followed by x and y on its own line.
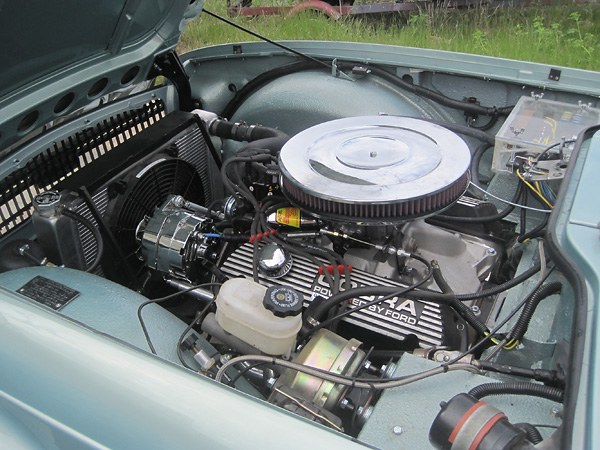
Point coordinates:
pixel 60 56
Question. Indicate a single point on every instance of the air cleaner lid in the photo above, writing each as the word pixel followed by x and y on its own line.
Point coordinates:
pixel 375 168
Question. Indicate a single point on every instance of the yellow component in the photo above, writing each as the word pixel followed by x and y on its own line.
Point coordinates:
pixel 289 217
pixel 508 346
pixel 535 190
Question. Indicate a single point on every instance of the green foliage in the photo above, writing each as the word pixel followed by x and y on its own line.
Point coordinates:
pixel 563 35
pixel 480 40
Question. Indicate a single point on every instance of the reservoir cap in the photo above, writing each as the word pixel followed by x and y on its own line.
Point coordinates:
pixel 283 301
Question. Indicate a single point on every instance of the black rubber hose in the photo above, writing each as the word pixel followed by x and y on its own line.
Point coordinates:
pixel 439 278
pixel 524 388
pixel 334 300
pixel 95 232
pixel 475 160
pixel 523 214
pixel 467 131
pixel 531 433
pixel 449 299
pixel 242 132
pixel 540 294
pixel 502 287
pixel 272 144
pixel 535 232
pixel 488 125
pixel 278 72
pixel 458 307
pixel 239 238
pixel 550 377
pixel 431 95
pixel 261 80
pixel 467 314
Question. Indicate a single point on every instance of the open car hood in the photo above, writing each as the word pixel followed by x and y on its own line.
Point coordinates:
pixel 76 51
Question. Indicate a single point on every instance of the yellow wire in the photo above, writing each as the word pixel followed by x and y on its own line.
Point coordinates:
pixel 508 346
pixel 535 190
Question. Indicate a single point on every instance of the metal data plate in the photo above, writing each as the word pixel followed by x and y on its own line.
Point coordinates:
pixel 48 292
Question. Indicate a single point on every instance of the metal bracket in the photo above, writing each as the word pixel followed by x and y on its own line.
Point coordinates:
pixel 169 66
pixel 335 72
pixel 554 75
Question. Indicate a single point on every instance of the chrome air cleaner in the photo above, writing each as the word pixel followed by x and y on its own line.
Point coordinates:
pixel 374 169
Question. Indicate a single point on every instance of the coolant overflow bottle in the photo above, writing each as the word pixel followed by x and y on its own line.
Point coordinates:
pixel 57 234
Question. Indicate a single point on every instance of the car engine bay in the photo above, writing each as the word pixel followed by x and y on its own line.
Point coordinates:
pixel 356 273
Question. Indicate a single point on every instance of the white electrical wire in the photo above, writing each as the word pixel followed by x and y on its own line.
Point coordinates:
pixel 546 211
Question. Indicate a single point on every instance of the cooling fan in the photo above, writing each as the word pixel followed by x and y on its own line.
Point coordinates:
pixel 143 189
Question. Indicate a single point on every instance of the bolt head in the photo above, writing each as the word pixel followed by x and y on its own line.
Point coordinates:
pixel 398 430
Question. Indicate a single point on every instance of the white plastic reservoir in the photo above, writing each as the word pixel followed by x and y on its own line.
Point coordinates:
pixel 240 311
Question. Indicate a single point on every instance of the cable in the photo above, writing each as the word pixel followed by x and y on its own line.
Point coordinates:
pixel 547 149
pixel 476 159
pixel 163 299
pixel 519 388
pixel 439 278
pixel 243 372
pixel 325 323
pixel 387 292
pixel 535 190
pixel 499 326
pixel 502 287
pixel 552 377
pixel 485 219
pixel 545 211
pixel 446 289
pixel 95 232
pixel 367 383
pixel 488 125
pixel 428 93
pixel 312 64
pixel 245 30
pixel 538 231
pixel 534 300
pixel 531 432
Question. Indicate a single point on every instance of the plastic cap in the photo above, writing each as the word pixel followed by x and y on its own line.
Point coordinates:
pixel 283 301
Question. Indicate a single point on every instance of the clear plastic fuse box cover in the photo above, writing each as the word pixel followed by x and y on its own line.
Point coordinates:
pixel 536 124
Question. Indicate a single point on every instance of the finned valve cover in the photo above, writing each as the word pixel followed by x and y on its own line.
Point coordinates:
pixel 375 169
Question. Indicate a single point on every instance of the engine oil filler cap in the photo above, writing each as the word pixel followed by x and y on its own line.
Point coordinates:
pixel 374 169
pixel 283 301
pixel 274 261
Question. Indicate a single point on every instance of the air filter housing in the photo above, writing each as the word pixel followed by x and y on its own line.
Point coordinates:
pixel 374 169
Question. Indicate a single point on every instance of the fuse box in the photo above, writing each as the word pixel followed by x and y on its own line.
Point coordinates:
pixel 538 136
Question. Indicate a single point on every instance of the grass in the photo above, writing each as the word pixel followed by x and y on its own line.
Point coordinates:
pixel 563 35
